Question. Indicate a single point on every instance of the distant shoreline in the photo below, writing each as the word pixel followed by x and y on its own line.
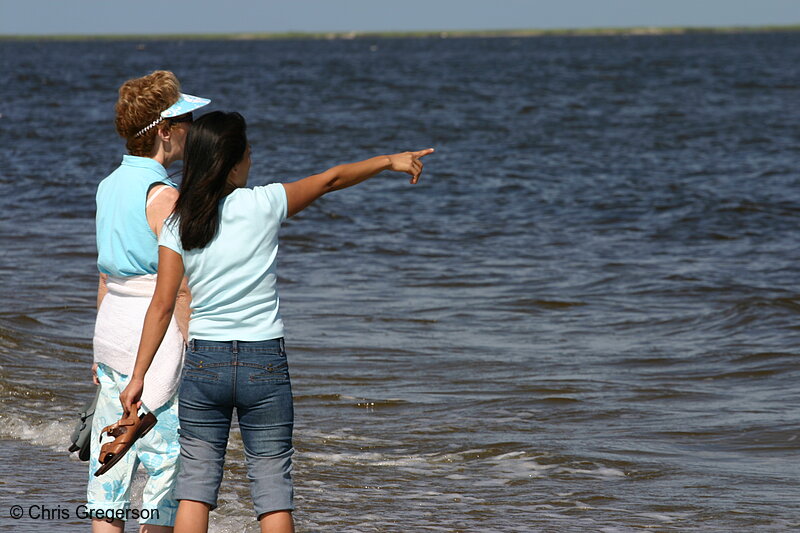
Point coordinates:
pixel 443 34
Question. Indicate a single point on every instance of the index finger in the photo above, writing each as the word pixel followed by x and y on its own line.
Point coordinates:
pixel 422 153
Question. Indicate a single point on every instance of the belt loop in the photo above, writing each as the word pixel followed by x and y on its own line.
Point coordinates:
pixel 283 345
pixel 191 345
pixel 235 346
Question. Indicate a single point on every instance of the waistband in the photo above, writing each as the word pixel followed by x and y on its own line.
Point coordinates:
pixel 144 285
pixel 270 345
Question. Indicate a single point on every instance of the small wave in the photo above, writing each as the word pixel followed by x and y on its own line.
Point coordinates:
pixel 52 434
pixel 755 140
pixel 301 398
pixel 746 374
pixel 547 304
pixel 343 435
pixel 507 467
pixel 558 400
pixel 401 319
pixel 669 394
pixel 524 466
pixel 763 357
pixel 756 85
pixel 10 390
pixel 373 403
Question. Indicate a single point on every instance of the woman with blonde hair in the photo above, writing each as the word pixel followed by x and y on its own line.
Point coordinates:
pixel 153 117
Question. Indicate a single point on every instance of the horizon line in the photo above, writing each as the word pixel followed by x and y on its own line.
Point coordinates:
pixel 599 31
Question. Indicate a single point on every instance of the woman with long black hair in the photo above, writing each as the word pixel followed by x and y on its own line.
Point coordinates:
pixel 224 237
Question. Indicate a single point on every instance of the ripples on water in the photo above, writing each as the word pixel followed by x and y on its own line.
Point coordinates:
pixel 583 318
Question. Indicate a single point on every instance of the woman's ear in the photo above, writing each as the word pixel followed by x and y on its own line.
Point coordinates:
pixel 164 132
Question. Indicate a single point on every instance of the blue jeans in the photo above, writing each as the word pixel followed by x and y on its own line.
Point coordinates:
pixel 253 377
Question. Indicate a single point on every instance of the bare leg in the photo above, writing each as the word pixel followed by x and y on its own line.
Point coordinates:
pixel 192 517
pixel 152 528
pixel 101 526
pixel 276 522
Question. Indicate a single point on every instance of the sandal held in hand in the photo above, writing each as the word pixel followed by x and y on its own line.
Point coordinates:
pixel 125 432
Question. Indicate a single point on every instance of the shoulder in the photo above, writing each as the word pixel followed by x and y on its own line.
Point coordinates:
pixel 109 179
pixel 272 197
pixel 274 192
pixel 264 195
pixel 168 192
pixel 163 196
pixel 170 234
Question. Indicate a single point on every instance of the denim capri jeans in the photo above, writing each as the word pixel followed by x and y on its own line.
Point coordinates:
pixel 252 377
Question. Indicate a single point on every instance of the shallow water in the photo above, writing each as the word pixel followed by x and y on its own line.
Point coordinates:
pixel 584 318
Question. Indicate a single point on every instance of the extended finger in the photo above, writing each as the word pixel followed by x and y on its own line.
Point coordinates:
pixel 422 153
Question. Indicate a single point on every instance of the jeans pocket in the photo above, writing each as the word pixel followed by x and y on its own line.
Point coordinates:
pixel 276 371
pixel 196 369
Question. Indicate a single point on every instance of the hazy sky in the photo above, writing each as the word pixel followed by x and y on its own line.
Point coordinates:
pixel 207 16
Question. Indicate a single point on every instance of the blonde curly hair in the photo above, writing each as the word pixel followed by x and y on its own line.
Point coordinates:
pixel 141 101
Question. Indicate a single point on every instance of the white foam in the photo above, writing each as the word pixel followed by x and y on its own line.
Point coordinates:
pixel 601 472
pixel 509 455
pixel 52 434
pixel 343 435
pixel 231 518
pixel 657 516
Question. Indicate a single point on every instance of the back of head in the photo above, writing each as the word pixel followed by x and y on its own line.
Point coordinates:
pixel 141 101
pixel 216 142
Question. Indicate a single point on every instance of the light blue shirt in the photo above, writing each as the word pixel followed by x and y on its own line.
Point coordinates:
pixel 126 245
pixel 233 279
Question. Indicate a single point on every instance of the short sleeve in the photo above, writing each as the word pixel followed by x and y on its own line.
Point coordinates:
pixel 170 237
pixel 272 198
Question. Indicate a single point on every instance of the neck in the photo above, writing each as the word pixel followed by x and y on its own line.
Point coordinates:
pixel 160 154
pixel 164 159
pixel 229 188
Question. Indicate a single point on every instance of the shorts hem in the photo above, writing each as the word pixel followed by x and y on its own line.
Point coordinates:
pixel 212 504
pixel 108 506
pixel 274 509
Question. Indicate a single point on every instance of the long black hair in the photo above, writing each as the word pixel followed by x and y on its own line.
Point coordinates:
pixel 215 144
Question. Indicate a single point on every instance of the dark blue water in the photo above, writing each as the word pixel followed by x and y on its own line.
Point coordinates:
pixel 584 317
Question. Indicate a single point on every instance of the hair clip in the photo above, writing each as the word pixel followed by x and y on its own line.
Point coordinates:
pixel 148 127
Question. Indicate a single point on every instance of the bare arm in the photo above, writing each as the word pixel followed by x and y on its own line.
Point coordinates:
pixel 157 212
pixel 183 308
pixel 301 193
pixel 161 207
pixel 156 322
pixel 102 289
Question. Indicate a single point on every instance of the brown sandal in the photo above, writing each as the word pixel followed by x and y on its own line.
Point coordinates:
pixel 125 432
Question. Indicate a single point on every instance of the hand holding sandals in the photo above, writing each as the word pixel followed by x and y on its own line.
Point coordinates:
pixel 130 398
pixel 127 429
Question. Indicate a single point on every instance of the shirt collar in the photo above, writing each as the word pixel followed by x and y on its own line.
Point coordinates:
pixel 145 162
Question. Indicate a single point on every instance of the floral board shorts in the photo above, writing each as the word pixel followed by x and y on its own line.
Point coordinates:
pixel 157 452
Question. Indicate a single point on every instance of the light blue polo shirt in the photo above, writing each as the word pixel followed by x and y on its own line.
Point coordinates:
pixel 126 245
pixel 233 279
